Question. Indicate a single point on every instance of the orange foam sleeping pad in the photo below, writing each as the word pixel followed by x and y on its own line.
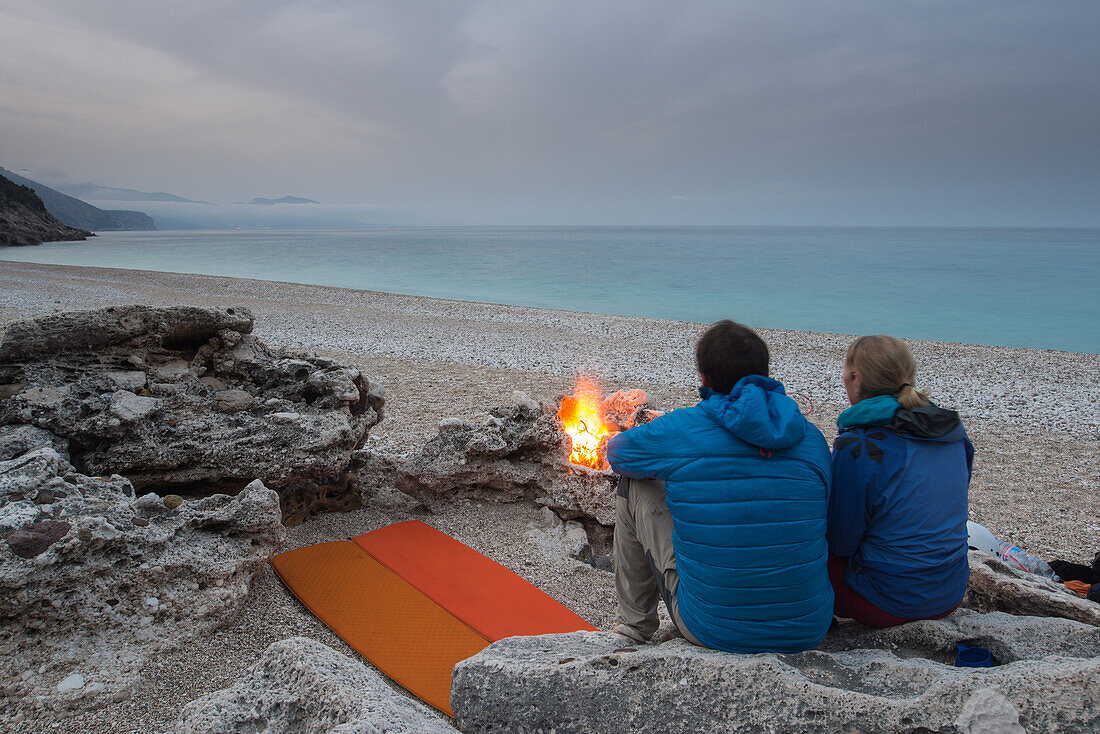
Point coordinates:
pixel 415 602
pixel 479 591
pixel 403 633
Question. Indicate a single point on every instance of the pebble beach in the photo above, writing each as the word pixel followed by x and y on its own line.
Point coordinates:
pixel 1033 416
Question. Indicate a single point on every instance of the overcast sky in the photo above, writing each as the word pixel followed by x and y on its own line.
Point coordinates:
pixel 980 112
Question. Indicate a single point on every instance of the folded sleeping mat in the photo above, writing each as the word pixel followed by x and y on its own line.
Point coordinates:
pixel 414 602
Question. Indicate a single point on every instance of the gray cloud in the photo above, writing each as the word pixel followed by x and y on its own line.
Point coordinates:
pixel 535 112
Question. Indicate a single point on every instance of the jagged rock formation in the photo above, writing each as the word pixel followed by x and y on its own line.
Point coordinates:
pixel 997 587
pixel 300 686
pixel 517 452
pixel 25 221
pixel 77 213
pixel 94 580
pixel 893 680
pixel 184 400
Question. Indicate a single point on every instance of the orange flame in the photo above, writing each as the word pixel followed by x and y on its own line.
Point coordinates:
pixel 580 414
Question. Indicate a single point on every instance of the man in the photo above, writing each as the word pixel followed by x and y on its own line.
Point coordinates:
pixel 722 510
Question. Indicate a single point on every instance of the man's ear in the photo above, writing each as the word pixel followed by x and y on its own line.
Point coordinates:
pixel 704 381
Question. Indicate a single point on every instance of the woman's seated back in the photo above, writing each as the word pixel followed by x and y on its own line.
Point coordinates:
pixel 898 509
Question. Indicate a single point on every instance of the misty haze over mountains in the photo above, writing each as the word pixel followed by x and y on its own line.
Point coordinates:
pixel 82 203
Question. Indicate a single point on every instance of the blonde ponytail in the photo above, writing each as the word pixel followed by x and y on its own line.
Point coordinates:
pixel 886 367
pixel 909 397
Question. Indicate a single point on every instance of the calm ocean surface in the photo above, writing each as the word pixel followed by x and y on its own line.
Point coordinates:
pixel 1035 288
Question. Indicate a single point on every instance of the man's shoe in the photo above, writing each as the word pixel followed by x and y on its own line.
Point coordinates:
pixel 628 632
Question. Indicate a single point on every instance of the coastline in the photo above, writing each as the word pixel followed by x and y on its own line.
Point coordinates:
pixel 1034 417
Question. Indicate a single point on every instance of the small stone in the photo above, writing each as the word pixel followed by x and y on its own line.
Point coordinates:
pixel 131 380
pixel 232 401
pixel 987 711
pixel 141 522
pixel 33 540
pixel 72 683
pixel 548 519
pixel 213 383
pixel 130 407
pixel 586 554
pixel 172 501
pixel 285 417
pixel 447 424
pixel 172 371
pixel 524 400
pixel 229 337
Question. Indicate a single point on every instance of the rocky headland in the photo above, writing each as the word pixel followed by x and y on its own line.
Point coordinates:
pixel 136 594
pixel 80 214
pixel 24 219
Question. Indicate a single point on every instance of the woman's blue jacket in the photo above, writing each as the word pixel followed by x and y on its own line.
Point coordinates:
pixel 747 482
pixel 899 505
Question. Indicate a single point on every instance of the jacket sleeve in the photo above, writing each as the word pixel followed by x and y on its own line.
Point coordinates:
pixel 646 451
pixel 848 514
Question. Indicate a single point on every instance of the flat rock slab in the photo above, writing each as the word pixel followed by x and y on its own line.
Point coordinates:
pixel 300 686
pixel 136 326
pixel 898 680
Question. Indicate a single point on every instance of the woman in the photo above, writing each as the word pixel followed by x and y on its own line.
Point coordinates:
pixel 898 508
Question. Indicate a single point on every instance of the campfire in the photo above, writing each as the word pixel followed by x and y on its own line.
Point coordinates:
pixel 590 420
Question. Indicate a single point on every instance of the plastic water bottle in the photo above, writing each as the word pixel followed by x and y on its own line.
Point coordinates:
pixel 1018 558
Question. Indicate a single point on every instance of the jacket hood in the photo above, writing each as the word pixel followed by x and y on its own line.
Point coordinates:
pixel 757 411
pixel 930 422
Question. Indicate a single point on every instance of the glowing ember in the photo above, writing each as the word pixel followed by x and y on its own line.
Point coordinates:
pixel 581 415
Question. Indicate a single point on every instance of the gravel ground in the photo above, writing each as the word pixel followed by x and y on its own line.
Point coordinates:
pixel 1034 418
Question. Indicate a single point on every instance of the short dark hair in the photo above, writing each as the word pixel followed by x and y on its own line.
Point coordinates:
pixel 728 351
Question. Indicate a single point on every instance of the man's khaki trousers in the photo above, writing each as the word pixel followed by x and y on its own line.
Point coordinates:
pixel 645 563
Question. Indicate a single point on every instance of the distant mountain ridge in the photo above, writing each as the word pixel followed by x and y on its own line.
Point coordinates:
pixel 82 215
pixel 110 193
pixel 24 219
pixel 259 201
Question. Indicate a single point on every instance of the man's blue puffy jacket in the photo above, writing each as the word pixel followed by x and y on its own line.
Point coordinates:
pixel 747 483
pixel 899 505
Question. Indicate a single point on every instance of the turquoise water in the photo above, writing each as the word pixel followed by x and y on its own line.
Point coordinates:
pixel 1014 287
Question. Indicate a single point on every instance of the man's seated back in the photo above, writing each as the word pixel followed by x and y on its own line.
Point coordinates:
pixel 746 482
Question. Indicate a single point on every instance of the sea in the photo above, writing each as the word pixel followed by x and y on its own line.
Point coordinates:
pixel 1034 288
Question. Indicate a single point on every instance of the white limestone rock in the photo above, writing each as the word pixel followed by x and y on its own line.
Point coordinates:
pixel 19 439
pixel 186 397
pixel 517 452
pixel 300 686
pixel 895 680
pixel 128 407
pixel 996 586
pixel 93 581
